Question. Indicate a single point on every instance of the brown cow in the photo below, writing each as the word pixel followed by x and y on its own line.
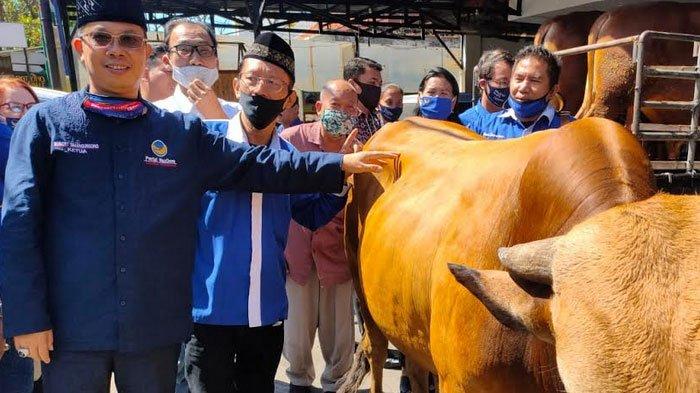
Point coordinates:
pixel 610 80
pixel 452 197
pixel 564 32
pixel 625 309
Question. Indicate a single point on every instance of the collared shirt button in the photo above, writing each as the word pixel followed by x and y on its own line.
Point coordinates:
pixel 122 237
pixel 120 176
pixel 122 269
pixel 122 207
pixel 122 303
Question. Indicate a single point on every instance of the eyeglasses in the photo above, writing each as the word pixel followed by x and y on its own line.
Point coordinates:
pixel 102 39
pixel 272 85
pixel 17 107
pixel 499 84
pixel 186 50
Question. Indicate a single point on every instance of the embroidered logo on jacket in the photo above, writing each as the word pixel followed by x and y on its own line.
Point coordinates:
pixel 75 147
pixel 160 149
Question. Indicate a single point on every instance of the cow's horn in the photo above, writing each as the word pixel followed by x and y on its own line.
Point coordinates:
pixel 531 261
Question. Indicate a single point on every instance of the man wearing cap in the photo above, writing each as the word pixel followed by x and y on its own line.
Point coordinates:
pixel 192 55
pixel 239 299
pixel 101 191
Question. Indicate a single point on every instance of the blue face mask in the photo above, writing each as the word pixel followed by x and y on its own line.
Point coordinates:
pixel 438 108
pixel 528 109
pixel 390 114
pixel 498 95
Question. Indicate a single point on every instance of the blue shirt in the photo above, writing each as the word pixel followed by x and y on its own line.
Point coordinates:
pixel 506 125
pixel 472 116
pixel 99 219
pixel 240 270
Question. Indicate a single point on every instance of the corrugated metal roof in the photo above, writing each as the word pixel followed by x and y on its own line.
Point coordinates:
pixel 390 18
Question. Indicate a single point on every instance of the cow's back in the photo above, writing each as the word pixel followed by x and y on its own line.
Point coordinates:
pixel 611 71
pixel 451 199
pixel 563 32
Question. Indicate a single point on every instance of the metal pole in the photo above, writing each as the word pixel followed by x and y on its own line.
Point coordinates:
pixel 465 75
pixel 357 45
pixel 449 52
pixel 71 71
pixel 638 80
pixel 587 48
pixel 50 44
pixel 26 63
pixel 695 119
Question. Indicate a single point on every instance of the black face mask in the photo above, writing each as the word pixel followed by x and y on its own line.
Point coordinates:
pixel 259 110
pixel 370 95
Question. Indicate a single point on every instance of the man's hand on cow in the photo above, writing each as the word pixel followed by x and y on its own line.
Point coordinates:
pixel 35 345
pixel 352 144
pixel 366 161
pixel 205 100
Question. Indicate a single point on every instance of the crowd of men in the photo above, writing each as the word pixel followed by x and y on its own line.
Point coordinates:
pixel 147 220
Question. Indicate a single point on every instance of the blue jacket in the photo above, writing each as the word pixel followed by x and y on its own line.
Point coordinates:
pixel 99 219
pixel 472 116
pixel 240 269
pixel 505 125
pixel 5 135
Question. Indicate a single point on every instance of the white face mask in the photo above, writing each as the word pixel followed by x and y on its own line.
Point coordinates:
pixel 186 75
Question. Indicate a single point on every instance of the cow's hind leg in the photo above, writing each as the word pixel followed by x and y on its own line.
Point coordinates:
pixel 417 375
pixel 370 356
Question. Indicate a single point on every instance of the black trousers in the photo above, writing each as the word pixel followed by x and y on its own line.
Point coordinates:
pixel 238 359
pixel 151 371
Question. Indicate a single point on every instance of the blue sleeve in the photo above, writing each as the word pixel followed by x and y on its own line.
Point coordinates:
pixel 23 287
pixel 226 165
pixel 466 117
pixel 471 118
pixel 316 210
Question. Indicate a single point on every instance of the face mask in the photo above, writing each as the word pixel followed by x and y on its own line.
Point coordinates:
pixel 186 75
pixel 528 109
pixel 259 110
pixel 390 114
pixel 369 97
pixel 438 108
pixel 12 122
pixel 337 123
pixel 497 95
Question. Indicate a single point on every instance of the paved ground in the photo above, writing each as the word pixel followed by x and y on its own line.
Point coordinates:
pixel 391 377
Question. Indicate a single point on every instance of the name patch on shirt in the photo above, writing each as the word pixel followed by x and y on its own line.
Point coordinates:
pixel 160 149
pixel 75 147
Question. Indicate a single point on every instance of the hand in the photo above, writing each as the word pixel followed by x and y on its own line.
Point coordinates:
pixel 352 144
pixel 205 100
pixel 39 344
pixel 366 161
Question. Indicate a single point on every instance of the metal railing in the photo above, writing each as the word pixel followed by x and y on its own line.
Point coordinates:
pixel 660 132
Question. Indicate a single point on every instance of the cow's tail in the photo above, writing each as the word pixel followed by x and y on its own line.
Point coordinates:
pixel 351 381
pixel 589 94
pixel 371 353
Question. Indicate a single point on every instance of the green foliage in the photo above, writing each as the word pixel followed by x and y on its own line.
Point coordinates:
pixel 25 12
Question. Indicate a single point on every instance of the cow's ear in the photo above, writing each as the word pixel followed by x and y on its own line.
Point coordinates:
pixel 506 301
